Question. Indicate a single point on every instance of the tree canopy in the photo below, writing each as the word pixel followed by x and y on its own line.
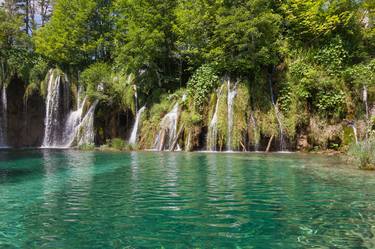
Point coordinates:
pixel 162 43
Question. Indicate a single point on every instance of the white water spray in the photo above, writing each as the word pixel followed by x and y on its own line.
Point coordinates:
pixel 52 121
pixel 73 121
pixel 212 129
pixel 85 130
pixel 230 101
pixel 188 143
pixel 64 128
pixel 134 134
pixel 168 130
pixel 255 131
pixel 4 117
pixel 278 118
pixel 135 97
pixel 355 132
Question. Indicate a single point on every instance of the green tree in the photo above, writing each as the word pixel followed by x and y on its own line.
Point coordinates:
pixel 246 36
pixel 310 20
pixel 367 19
pixel 194 28
pixel 144 37
pixel 77 34
pixel 239 35
pixel 15 56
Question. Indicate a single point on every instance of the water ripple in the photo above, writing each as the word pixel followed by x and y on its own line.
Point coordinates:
pixel 70 199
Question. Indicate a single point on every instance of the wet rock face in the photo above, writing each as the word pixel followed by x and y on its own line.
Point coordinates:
pixel 302 143
pixel 372 110
pixel 25 122
pixel 111 123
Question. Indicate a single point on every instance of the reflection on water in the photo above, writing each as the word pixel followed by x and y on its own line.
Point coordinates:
pixel 71 199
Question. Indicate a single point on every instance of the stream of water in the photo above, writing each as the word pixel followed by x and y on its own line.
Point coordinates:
pixel 134 133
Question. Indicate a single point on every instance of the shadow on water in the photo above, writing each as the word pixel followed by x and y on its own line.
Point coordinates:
pixel 76 199
pixel 28 164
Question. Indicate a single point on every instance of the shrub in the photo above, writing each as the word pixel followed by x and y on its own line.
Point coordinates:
pixel 124 91
pixel 322 133
pixel 240 109
pixel 201 85
pixel 118 144
pixel 98 81
pixel 313 86
pixel 330 101
pixel 364 154
pixel 332 56
pixel 88 146
pixel 37 75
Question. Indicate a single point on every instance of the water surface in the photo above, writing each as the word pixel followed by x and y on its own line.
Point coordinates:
pixel 72 199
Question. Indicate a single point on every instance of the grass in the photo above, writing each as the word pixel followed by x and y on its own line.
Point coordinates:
pixel 117 144
pixel 86 147
pixel 363 154
pixel 240 110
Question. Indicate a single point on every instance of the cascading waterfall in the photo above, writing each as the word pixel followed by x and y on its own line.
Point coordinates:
pixel 255 131
pixel 85 130
pixel 57 105
pixel 135 97
pixel 134 134
pixel 230 101
pixel 355 132
pixel 73 120
pixel 277 113
pixel 168 130
pixel 4 117
pixel 79 127
pixel 188 142
pixel 212 129
pixel 365 100
pixel 65 128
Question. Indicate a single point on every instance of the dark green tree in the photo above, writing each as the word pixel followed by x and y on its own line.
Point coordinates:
pixel 144 38
pixel 78 33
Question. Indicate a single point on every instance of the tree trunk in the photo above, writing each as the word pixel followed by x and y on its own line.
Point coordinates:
pixel 174 144
pixel 243 146
pixel 162 140
pixel 269 143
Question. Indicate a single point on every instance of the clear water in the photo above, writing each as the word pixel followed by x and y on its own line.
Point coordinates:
pixel 71 199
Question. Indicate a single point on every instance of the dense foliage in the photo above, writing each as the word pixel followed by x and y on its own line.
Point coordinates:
pixel 364 154
pixel 299 62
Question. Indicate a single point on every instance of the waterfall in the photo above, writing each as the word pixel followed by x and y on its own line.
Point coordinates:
pixel 133 136
pixel 51 107
pixel 212 128
pixel 135 97
pixel 365 94
pixel 230 101
pixel 168 130
pixel 57 105
pixel 4 117
pixel 79 127
pixel 63 127
pixel 73 121
pixel 255 130
pixel 188 142
pixel 355 132
pixel 85 130
pixel 365 100
pixel 277 113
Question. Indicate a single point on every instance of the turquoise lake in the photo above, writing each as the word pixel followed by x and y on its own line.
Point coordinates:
pixel 74 199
